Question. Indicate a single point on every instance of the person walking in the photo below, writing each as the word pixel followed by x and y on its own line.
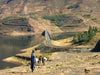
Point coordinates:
pixel 33 60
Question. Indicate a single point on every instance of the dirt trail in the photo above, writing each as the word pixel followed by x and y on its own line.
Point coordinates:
pixel 62 63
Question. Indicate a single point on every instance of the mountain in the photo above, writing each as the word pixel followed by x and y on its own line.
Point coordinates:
pixel 27 15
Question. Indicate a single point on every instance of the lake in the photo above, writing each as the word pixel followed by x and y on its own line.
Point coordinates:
pixel 10 46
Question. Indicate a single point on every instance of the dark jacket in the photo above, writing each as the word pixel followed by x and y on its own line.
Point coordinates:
pixel 33 60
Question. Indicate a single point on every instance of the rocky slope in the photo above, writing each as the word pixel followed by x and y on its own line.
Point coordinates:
pixel 80 14
pixel 48 6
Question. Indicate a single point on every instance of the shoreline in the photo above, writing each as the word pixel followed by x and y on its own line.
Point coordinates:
pixel 11 60
pixel 16 33
pixel 60 63
pixel 26 53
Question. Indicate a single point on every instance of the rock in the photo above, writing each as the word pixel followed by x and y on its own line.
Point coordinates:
pixel 86 70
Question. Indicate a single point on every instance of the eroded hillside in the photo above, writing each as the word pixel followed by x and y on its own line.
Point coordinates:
pixel 80 14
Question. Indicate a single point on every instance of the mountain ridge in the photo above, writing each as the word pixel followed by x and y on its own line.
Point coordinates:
pixel 36 9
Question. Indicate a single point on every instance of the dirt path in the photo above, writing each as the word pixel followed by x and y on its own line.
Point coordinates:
pixel 62 63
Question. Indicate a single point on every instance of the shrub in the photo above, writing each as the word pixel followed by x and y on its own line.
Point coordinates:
pixel 59 23
pixel 5 19
pixel 73 6
pixel 56 19
pixel 75 39
pixel 87 15
pixel 86 36
pixel 94 19
pixel 32 13
pixel 77 21
pixel 59 64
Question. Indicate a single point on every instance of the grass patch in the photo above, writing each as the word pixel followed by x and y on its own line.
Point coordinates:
pixel 57 19
pixel 47 54
pixel 7 67
pixel 87 16
pixel 47 49
pixel 40 46
pixel 59 64
pixel 32 13
pixel 6 19
pixel 60 36
pixel 48 67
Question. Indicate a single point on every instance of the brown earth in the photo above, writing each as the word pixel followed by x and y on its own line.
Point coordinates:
pixel 59 63
pixel 34 11
pixel 62 63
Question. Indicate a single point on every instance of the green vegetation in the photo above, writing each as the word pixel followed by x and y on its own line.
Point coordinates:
pixel 7 67
pixel 47 50
pixel 6 19
pixel 29 14
pixel 57 19
pixel 17 21
pixel 73 6
pixel 63 35
pixel 91 11
pixel 87 16
pixel 48 67
pixel 61 20
pixel 32 13
pixel 59 64
pixel 94 19
pixel 77 21
pixel 40 46
pixel 98 62
pixel 86 36
pixel 46 54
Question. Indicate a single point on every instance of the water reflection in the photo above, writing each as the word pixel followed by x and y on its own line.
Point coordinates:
pixel 9 46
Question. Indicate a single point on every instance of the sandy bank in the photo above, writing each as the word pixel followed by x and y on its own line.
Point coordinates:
pixel 21 58
pixel 16 33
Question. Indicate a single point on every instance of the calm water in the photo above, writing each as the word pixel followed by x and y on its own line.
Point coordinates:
pixel 10 46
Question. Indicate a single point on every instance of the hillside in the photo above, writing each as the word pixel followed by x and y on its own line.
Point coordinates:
pixel 62 18
pixel 80 14
pixel 62 63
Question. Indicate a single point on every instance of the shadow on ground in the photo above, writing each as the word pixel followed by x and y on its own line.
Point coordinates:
pixel 22 57
pixel 97 47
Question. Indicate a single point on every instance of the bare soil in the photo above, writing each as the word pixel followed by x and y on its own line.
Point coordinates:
pixel 62 63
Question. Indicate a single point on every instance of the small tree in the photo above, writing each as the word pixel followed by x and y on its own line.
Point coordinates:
pixel 95 29
pixel 86 36
pixel 75 39
pixel 80 37
pixel 90 32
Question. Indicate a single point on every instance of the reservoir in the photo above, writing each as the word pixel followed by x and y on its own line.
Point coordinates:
pixel 10 46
